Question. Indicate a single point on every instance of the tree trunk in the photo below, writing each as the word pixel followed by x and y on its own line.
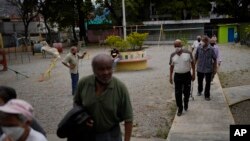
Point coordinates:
pixel 49 31
pixel 82 28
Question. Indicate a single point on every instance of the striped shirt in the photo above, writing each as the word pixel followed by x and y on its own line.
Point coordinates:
pixel 205 58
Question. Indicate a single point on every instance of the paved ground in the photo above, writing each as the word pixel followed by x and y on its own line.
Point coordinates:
pixel 150 91
pixel 151 95
pixel 204 120
pixel 238 94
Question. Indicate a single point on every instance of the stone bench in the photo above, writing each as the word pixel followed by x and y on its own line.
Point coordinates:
pixel 132 64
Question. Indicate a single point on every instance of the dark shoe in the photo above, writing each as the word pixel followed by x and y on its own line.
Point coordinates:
pixel 179 114
pixel 199 93
pixel 186 107
pixel 207 98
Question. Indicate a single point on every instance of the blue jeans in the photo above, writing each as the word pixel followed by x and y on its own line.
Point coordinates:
pixel 74 81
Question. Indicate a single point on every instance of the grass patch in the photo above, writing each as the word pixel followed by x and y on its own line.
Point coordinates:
pixel 163 131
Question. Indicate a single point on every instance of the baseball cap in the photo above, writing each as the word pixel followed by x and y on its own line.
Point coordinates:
pixel 18 106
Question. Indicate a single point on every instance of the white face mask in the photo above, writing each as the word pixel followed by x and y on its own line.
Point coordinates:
pixel 13 132
pixel 178 49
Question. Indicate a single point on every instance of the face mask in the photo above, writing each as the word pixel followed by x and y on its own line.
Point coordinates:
pixel 14 132
pixel 202 43
pixel 178 49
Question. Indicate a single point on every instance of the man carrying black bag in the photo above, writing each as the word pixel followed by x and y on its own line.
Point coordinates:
pixel 73 126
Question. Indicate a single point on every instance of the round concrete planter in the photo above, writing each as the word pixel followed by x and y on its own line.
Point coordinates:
pixel 132 60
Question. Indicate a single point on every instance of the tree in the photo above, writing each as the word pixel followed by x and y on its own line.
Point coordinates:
pixel 46 9
pixel 136 10
pixel 234 8
pixel 182 9
pixel 27 10
pixel 70 13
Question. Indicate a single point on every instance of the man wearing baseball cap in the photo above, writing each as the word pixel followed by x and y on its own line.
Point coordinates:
pixel 15 119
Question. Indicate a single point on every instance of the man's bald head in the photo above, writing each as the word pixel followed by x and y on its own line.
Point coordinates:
pixel 102 68
pixel 100 59
pixel 73 49
pixel 177 43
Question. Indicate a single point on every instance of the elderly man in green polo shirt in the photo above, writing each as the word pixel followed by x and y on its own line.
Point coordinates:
pixel 106 99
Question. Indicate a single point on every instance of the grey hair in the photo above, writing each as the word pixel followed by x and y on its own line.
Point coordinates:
pixel 99 58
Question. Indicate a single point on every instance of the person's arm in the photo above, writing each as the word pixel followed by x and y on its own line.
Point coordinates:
pixel 214 62
pixel 82 56
pixel 193 70
pixel 219 57
pixel 128 130
pixel 171 69
pixel 192 67
pixel 70 66
pixel 171 74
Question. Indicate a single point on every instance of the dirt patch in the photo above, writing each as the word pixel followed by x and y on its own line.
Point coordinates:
pixel 235 78
pixel 235 71
pixel 241 112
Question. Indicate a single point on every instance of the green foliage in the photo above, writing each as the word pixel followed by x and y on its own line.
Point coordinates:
pixel 177 8
pixel 122 45
pixel 184 43
pixel 233 8
pixel 112 39
pixel 117 42
pixel 134 41
pixel 247 30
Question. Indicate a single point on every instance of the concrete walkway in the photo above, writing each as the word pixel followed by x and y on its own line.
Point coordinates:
pixel 237 94
pixel 53 137
pixel 204 120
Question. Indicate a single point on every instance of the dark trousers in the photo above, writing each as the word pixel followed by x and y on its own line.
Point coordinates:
pixel 182 86
pixel 208 77
pixel 74 81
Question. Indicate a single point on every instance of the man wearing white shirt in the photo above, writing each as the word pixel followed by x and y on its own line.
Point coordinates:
pixel 196 44
pixel 181 62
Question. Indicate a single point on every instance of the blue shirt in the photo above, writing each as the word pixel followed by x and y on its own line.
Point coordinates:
pixel 205 58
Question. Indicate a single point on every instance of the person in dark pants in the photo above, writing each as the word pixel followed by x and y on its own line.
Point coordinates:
pixel 206 66
pixel 181 62
pixel 71 61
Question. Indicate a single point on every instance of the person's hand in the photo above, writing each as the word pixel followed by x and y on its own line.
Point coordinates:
pixel 90 123
pixel 71 66
pixel 214 72
pixel 171 80
pixel 193 77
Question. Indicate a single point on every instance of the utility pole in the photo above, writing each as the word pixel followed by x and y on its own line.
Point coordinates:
pixel 124 20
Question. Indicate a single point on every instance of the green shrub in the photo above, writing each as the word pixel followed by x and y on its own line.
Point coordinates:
pixel 134 41
pixel 112 39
